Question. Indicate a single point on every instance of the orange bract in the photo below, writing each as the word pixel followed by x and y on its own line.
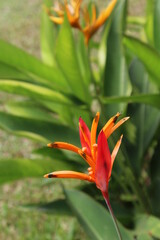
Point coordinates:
pixel 97 155
pixel 73 10
pixel 93 25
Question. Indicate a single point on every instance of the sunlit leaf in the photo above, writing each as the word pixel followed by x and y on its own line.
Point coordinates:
pixel 83 59
pixel 67 59
pixel 19 59
pixel 156 15
pixel 33 91
pixel 149 27
pixel 150 99
pixel 116 82
pixel 48 36
pixel 7 72
pixel 29 109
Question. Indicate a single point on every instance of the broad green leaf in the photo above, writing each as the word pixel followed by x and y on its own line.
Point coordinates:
pixel 25 62
pixel 14 169
pixel 157 24
pixel 116 81
pixel 57 207
pixel 94 218
pixel 33 91
pixel 145 118
pixel 83 59
pixel 150 99
pixel 68 114
pixel 38 130
pixel 48 36
pixel 149 225
pixel 144 237
pixel 29 109
pixel 149 57
pixel 136 20
pixel 67 59
pixel 150 21
pixel 102 50
pixel 73 160
pixel 7 72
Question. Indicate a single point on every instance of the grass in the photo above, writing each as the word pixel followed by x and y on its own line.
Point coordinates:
pixel 20 25
pixel 15 221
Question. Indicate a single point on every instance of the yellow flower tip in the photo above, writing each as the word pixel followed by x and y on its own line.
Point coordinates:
pixel 45 176
pixel 49 175
pixel 125 119
pixel 97 116
pixel 121 137
pixel 51 145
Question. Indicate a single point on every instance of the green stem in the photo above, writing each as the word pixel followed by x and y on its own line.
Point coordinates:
pixel 106 198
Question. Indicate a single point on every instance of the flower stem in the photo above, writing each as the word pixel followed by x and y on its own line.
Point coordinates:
pixel 106 198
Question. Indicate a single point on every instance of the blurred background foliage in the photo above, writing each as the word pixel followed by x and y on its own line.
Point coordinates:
pixel 38 103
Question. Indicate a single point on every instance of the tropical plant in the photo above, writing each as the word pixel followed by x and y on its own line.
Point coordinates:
pixel 116 73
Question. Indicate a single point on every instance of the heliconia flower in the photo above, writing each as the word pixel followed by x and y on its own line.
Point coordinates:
pixel 97 155
pixel 95 23
pixel 72 10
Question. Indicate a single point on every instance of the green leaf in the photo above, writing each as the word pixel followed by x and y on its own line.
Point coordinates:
pixel 33 91
pixel 156 15
pixel 102 50
pixel 29 109
pixel 150 99
pixel 65 159
pixel 140 21
pixel 67 59
pixel 149 28
pixel 144 118
pixel 7 72
pixel 38 130
pixel 149 225
pixel 94 218
pixel 14 169
pixel 116 82
pixel 149 57
pixel 25 62
pixel 83 59
pixel 57 207
pixel 48 36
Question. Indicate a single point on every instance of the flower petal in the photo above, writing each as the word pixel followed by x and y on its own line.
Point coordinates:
pixel 63 145
pixel 94 128
pixel 69 174
pixel 103 163
pixel 118 124
pixel 114 153
pixel 85 136
pixel 105 14
pixel 93 134
pixel 108 126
